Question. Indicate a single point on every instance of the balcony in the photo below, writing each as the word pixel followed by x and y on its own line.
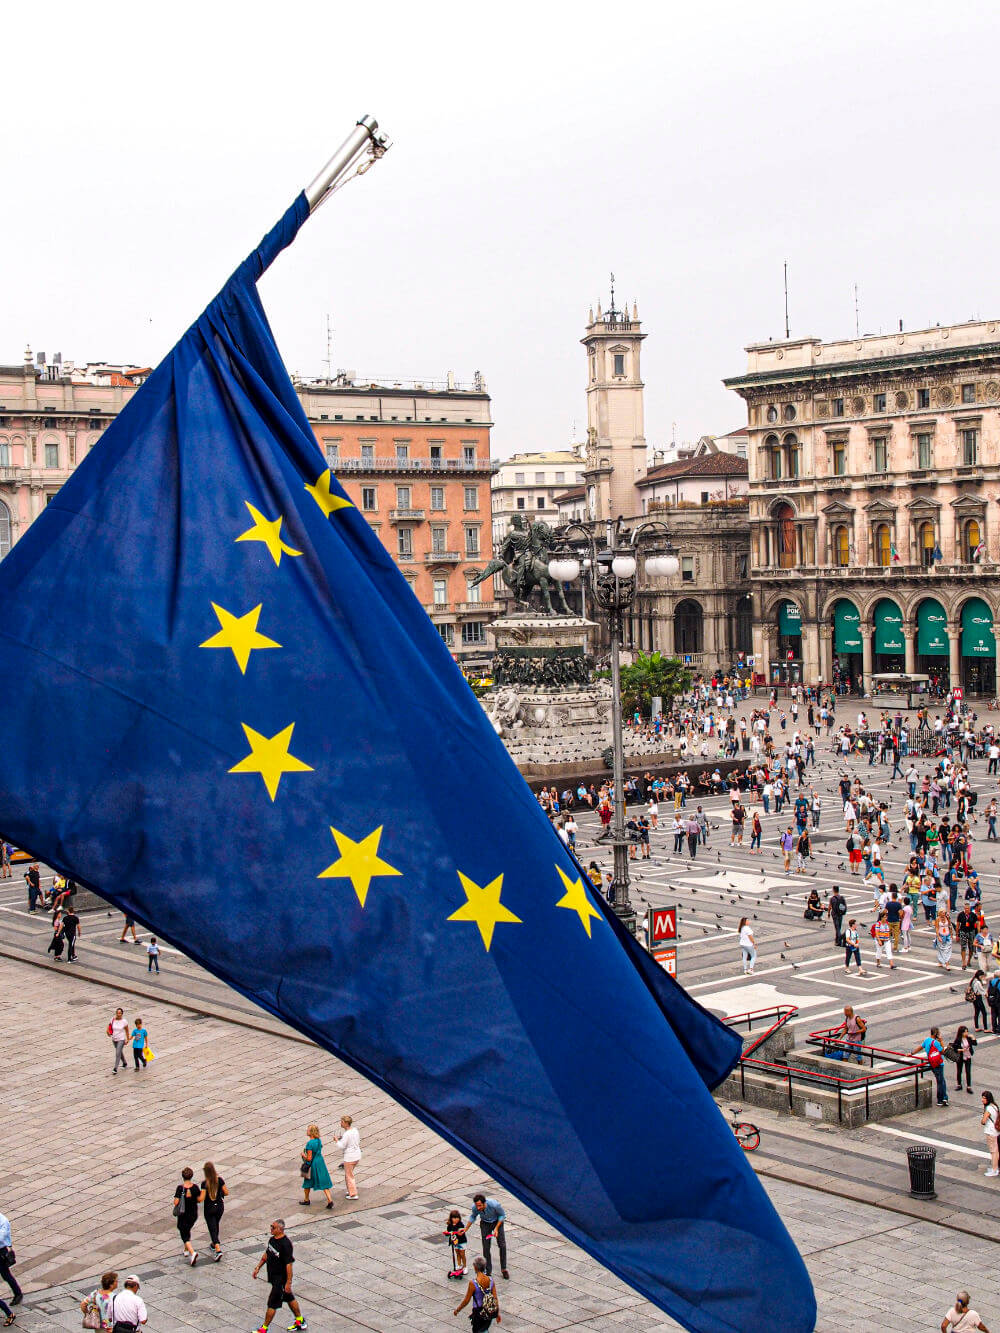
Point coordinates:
pixel 408 465
pixel 13 474
pixel 406 515
pixel 444 557
pixel 477 608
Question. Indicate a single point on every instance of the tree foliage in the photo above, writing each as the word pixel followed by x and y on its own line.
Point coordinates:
pixel 652 675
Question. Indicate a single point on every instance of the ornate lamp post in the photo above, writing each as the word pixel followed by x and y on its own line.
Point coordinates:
pixel 610 574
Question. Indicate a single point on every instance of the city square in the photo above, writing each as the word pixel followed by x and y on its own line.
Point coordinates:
pixel 498 811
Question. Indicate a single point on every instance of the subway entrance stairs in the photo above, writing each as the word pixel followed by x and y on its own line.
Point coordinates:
pixel 821 1079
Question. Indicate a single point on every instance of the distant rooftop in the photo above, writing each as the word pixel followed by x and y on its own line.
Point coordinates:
pixel 706 465
pixel 349 381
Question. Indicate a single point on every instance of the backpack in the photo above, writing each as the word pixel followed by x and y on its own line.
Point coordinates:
pixel 874 935
pixel 993 991
pixel 970 994
pixel 862 1025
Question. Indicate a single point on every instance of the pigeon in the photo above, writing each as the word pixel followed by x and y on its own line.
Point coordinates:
pixel 795 967
pixel 755 916
pixel 782 955
pixel 718 916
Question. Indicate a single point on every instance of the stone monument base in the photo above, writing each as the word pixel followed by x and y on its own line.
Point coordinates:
pixel 549 714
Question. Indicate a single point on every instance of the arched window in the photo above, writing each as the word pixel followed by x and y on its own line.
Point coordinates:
pixel 973 540
pixel 883 545
pixel 688 633
pixel 4 529
pixel 785 515
pixel 791 456
pixel 841 546
pixel 773 449
pixel 928 541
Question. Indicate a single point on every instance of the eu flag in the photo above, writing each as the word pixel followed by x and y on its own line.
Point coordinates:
pixel 224 710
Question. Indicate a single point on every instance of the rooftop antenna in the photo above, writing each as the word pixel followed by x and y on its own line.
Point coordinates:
pixel 857 313
pixel 329 350
pixel 786 299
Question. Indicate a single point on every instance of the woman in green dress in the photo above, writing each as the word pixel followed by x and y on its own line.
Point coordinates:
pixel 315 1175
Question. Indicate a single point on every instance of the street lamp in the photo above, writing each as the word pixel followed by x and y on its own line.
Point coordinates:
pixel 610 574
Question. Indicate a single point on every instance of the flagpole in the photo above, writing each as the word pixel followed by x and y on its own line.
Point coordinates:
pixel 365 136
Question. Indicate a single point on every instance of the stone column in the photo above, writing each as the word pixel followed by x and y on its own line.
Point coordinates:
pixel 954 644
pixel 665 628
pixel 866 656
pixel 825 655
pixel 909 647
pixel 810 653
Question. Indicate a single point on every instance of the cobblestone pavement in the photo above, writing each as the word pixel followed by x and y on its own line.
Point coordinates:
pixel 384 1268
pixel 88 1161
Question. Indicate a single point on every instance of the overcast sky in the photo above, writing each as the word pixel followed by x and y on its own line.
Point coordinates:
pixel 690 148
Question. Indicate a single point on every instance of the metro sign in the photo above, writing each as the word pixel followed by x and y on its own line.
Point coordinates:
pixel 662 924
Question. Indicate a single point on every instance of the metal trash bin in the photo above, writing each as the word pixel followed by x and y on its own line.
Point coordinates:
pixel 921 1164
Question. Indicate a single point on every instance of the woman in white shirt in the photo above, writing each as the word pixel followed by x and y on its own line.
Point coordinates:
pixel 991 1128
pixel 748 946
pixel 350 1144
pixel 119 1034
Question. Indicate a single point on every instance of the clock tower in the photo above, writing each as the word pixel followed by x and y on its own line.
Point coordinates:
pixel 616 443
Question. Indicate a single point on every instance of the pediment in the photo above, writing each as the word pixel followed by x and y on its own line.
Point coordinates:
pixel 880 509
pixel 837 509
pixel 969 504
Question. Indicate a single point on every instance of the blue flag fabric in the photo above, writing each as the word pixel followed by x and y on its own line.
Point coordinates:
pixel 224 710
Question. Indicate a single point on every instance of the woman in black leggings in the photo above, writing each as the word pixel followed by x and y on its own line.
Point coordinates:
pixel 213 1203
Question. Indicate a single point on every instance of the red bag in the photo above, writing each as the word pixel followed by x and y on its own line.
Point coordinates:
pixel 109 1029
pixel 935 1058
pixel 873 935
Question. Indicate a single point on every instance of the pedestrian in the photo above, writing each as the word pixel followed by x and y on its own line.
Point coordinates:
pixel 279 1258
pixel 315 1175
pixel 960 1318
pixel 129 926
pixel 58 941
pixel 212 1198
pixel 482 1291
pixel 976 994
pixel 491 1217
pixel 882 935
pixel 748 947
pixel 943 935
pixel 72 931
pixel 787 843
pixel 933 1051
pixel 457 1235
pixel 756 834
pixel 964 1047
pixel 854 1028
pixel 906 926
pixel 186 1213
pixel 993 1000
pixel 965 923
pixel 128 1310
pixel 140 1040
pixel 98 1303
pixel 7 1261
pixel 153 953
pixel 738 817
pixel 119 1034
pixel 991 1128
pixel 349 1143
pixel 852 947
pixel 33 879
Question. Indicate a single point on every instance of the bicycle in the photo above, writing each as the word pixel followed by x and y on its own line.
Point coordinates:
pixel 747 1135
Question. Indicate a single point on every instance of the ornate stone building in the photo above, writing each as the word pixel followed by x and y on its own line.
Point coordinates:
pixel 874 522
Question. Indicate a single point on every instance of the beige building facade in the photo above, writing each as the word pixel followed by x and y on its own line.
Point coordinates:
pixel 874 512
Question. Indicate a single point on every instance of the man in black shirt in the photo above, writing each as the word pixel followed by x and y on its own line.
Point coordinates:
pixel 279 1259
pixel 837 909
pixel 71 929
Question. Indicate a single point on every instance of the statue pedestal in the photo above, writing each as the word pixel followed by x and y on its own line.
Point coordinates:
pixel 549 714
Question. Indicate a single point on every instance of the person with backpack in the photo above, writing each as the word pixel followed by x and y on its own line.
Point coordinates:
pixel 482 1292
pixel 854 1028
pixel 993 1000
pixel 975 994
pixel 932 1049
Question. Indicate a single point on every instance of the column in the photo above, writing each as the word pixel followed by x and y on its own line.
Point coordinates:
pixel 954 644
pixel 825 657
pixel 909 647
pixel 810 654
pixel 866 657
pixel 665 627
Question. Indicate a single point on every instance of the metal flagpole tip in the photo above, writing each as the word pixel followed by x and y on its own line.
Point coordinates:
pixel 366 137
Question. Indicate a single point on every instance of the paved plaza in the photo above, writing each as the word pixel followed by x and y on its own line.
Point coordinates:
pixel 232 1084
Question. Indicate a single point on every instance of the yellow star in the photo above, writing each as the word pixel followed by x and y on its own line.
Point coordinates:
pixel 358 861
pixel 321 494
pixel 268 531
pixel 483 906
pixel 240 634
pixel 576 900
pixel 270 758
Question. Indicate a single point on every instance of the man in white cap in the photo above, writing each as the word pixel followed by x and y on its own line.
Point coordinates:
pixel 128 1306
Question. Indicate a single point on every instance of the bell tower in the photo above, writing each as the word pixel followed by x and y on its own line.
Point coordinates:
pixel 616 443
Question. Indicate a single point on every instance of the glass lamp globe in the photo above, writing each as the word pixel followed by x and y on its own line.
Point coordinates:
pixel 623 566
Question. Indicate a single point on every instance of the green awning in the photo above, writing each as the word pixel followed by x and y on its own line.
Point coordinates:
pixel 977 629
pixel 932 629
pixel 846 628
pixel 789 619
pixel 888 621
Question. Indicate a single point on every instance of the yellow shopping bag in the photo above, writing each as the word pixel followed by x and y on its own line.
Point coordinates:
pixel 147 1054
